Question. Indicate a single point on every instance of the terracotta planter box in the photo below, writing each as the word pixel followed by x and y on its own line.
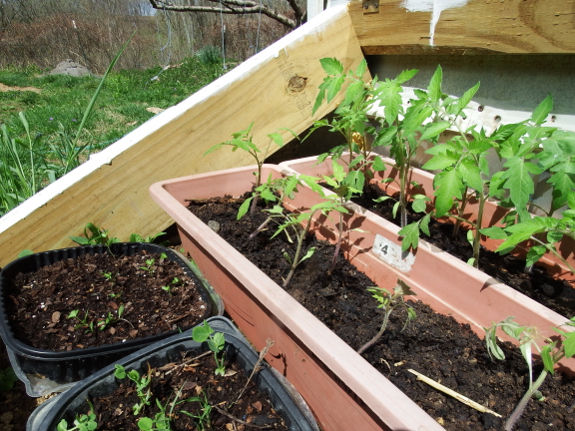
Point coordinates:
pixel 493 213
pixel 341 389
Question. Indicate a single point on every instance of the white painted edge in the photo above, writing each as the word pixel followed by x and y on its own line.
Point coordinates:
pixel 433 6
pixel 490 117
pixel 106 156
pixel 314 8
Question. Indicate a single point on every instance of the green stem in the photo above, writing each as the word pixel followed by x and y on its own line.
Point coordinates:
pixel 403 196
pixel 300 238
pixel 338 244
pixel 258 183
pixel 405 171
pixel 477 239
pixel 379 334
pixel 295 262
pixel 460 212
pixel 461 219
pixel 523 403
pixel 553 251
pixel 350 147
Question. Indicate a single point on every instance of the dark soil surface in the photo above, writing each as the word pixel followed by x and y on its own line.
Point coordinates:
pixel 99 286
pixel 192 379
pixel 557 295
pixel 434 345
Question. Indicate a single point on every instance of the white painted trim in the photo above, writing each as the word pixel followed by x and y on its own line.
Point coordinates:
pixel 487 117
pixel 106 157
pixel 335 3
pixel 314 8
pixel 433 6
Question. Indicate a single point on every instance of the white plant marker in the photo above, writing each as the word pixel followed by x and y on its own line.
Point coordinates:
pixel 391 253
pixel 433 6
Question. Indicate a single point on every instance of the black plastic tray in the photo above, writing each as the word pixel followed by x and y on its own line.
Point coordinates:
pixel 45 371
pixel 289 405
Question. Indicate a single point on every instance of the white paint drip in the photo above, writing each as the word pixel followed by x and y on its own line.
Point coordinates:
pixel 433 6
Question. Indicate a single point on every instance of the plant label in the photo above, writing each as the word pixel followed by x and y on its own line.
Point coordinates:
pixel 391 253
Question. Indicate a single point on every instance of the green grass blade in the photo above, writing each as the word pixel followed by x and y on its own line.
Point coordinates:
pixel 90 107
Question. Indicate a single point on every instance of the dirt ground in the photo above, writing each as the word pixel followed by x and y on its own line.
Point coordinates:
pixel 5 88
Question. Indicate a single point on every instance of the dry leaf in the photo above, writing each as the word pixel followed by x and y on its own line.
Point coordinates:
pixel 167 367
pixel 155 110
pixel 190 385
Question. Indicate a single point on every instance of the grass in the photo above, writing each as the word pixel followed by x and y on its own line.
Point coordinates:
pixel 124 98
pixel 30 159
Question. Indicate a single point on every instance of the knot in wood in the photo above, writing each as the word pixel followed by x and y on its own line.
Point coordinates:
pixel 296 84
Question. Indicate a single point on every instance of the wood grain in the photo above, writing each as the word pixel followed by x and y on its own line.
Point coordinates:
pixel 479 27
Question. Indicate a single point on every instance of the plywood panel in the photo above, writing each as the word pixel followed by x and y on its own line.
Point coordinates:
pixel 111 190
pixel 466 26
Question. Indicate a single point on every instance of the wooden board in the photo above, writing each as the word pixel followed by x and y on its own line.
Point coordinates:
pixel 275 89
pixel 465 26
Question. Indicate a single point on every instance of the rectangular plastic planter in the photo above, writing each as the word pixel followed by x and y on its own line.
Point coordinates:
pixel 44 371
pixel 287 403
pixel 343 390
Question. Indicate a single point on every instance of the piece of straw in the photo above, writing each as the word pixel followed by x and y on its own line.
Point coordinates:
pixel 454 394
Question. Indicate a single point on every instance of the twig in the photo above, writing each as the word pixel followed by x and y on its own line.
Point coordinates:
pixel 177 319
pixel 260 228
pixel 263 352
pixel 262 427
pixel 187 361
pixel 454 394
pixel 127 321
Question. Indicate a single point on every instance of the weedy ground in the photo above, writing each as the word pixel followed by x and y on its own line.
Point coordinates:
pixel 120 108
pixel 50 124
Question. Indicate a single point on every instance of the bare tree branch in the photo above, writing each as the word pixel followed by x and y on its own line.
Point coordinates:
pixel 238 7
